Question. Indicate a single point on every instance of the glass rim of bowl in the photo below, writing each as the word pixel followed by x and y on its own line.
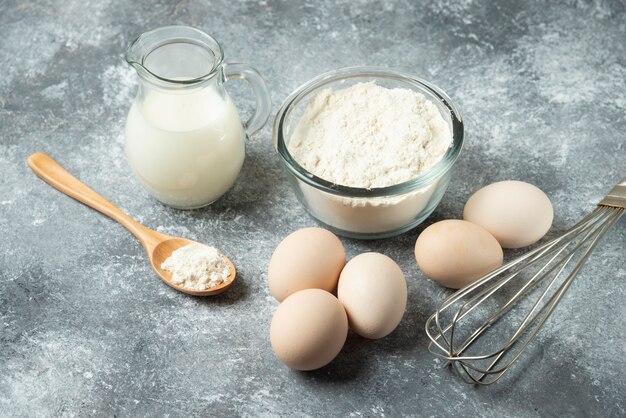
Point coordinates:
pixel 422 180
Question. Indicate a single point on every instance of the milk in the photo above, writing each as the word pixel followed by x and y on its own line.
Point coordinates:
pixel 186 147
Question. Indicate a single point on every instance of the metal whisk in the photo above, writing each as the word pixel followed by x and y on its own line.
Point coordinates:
pixel 472 313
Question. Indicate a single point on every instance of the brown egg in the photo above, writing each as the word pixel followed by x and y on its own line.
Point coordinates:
pixel 517 214
pixel 309 329
pixel 455 253
pixel 310 258
pixel 373 291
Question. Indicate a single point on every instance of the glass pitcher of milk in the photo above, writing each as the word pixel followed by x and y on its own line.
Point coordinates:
pixel 185 140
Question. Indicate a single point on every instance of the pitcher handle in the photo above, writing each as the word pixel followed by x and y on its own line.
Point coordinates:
pixel 236 70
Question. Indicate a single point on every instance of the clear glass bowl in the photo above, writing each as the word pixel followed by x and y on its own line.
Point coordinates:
pixel 358 212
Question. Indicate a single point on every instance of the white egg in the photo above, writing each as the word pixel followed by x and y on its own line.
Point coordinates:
pixel 455 253
pixel 309 329
pixel 373 291
pixel 517 214
pixel 309 258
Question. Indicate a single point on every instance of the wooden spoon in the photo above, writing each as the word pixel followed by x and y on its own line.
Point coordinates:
pixel 158 246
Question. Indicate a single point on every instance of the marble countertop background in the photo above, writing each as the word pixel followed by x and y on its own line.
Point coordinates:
pixel 87 329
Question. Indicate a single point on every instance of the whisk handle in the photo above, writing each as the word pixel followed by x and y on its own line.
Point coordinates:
pixel 617 196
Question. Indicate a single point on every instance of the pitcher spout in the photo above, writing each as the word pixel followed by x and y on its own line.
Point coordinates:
pixel 180 55
pixel 134 53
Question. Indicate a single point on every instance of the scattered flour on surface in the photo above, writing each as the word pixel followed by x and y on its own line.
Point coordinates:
pixel 118 85
pixel 369 136
pixel 197 267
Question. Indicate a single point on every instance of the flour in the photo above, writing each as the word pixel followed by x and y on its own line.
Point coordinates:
pixel 369 136
pixel 197 267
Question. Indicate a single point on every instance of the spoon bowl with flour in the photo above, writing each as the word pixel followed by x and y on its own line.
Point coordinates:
pixel 185 265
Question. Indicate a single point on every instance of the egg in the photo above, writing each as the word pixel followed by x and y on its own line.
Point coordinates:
pixel 373 291
pixel 455 253
pixel 309 329
pixel 517 214
pixel 308 258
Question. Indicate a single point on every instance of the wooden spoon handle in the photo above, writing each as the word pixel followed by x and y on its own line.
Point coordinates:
pixel 56 176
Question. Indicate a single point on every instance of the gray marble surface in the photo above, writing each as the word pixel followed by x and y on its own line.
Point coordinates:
pixel 87 329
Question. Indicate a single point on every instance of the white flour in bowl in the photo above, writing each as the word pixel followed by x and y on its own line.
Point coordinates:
pixel 369 136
